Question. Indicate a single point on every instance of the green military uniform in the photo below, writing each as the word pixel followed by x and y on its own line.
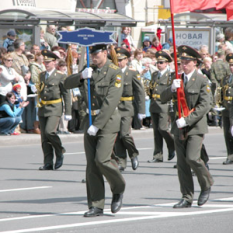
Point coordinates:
pixel 132 91
pixel 188 150
pixel 50 112
pixel 227 89
pixel 219 70
pixel 159 111
pixel 106 90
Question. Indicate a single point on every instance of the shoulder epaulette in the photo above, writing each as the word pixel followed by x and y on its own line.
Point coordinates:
pixel 113 66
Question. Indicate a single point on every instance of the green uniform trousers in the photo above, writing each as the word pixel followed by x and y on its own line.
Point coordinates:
pixel 188 157
pixel 49 139
pixel 98 154
pixel 228 137
pixel 160 126
pixel 125 143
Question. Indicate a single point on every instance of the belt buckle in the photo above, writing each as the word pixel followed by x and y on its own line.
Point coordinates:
pixel 93 112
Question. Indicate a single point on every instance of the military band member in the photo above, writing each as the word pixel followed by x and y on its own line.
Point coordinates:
pixel 132 91
pixel 106 84
pixel 219 71
pixel 159 111
pixel 227 89
pixel 188 148
pixel 51 91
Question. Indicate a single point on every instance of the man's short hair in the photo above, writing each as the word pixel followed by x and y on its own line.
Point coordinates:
pixel 18 43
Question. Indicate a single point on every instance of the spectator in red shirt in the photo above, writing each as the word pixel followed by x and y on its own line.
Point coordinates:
pixel 156 44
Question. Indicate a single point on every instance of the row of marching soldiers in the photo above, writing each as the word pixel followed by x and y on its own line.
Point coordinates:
pixel 114 89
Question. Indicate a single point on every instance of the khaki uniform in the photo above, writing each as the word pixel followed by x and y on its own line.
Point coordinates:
pixel 106 90
pixel 219 71
pixel 132 92
pixel 188 150
pixel 50 113
pixel 159 114
pixel 227 88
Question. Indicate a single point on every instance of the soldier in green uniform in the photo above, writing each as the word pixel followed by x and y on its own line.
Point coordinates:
pixel 132 91
pixel 106 85
pixel 227 87
pixel 188 148
pixel 219 70
pixel 51 91
pixel 159 111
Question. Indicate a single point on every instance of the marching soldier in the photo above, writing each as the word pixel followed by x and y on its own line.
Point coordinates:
pixel 106 84
pixel 132 91
pixel 159 111
pixel 195 125
pixel 227 86
pixel 51 91
pixel 219 71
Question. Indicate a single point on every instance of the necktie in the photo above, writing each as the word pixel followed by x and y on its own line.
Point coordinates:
pixel 230 79
pixel 159 75
pixel 185 80
pixel 46 75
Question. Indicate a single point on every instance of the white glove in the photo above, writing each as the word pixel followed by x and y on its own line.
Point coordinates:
pixel 87 73
pixel 181 122
pixel 67 117
pixel 33 89
pixel 232 131
pixel 141 116
pixel 147 97
pixel 175 84
pixel 92 130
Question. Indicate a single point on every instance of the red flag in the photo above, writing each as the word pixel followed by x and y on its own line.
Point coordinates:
pixel 178 6
pixel 229 10
pixel 220 4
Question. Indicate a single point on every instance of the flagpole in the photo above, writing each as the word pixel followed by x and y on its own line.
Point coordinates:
pixel 89 89
pixel 175 55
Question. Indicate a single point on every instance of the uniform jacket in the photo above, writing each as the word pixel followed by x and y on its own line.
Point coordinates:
pixel 157 86
pixel 53 90
pixel 36 69
pixel 132 87
pixel 218 71
pixel 197 93
pixel 227 91
pixel 106 91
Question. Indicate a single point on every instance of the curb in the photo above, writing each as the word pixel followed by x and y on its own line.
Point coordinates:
pixel 31 139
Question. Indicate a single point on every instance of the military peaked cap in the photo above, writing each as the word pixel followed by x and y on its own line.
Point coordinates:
pixel 48 55
pixel 177 55
pixel 97 48
pixel 163 56
pixel 229 58
pixel 188 53
pixel 122 53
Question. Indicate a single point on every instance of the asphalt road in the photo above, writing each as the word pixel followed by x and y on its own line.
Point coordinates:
pixel 54 201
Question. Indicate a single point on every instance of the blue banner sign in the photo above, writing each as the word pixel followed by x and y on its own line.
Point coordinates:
pixel 86 37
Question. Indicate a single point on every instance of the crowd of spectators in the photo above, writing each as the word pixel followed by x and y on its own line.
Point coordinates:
pixel 20 69
pixel 19 79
